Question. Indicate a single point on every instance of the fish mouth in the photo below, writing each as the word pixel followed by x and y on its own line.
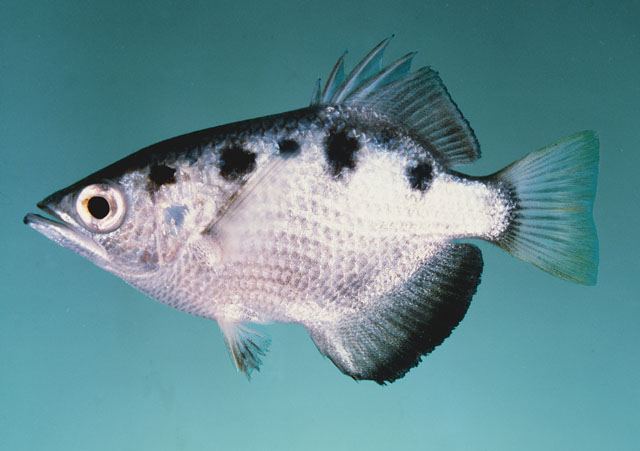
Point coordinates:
pixel 62 229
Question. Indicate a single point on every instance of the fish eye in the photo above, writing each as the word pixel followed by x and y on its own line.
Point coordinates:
pixel 98 206
pixel 101 207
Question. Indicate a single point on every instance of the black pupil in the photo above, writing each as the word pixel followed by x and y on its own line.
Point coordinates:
pixel 98 207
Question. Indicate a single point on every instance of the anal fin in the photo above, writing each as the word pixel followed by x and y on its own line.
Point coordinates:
pixel 388 337
pixel 246 346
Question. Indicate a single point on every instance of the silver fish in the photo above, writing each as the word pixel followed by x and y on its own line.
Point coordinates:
pixel 345 216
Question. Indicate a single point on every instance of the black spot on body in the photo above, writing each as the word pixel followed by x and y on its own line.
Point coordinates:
pixel 236 161
pixel 386 136
pixel 161 175
pixel 340 149
pixel 288 147
pixel 420 176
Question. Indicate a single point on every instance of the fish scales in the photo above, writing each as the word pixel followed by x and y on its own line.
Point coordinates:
pixel 345 216
pixel 331 226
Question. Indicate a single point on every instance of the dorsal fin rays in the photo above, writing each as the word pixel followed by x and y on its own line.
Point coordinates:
pixel 317 93
pixel 416 100
pixel 369 65
pixel 336 77
pixel 387 75
pixel 421 102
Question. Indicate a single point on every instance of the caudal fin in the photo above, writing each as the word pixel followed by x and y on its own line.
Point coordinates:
pixel 552 225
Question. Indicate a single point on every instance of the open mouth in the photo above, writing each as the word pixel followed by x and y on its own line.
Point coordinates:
pixel 42 223
pixel 63 230
pixel 35 220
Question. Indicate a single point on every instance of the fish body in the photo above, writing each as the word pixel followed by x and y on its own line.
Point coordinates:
pixel 345 216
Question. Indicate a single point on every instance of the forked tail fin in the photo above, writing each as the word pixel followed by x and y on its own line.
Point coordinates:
pixel 552 222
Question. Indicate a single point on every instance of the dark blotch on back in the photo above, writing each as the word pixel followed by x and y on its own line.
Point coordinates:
pixel 235 161
pixel 420 176
pixel 161 175
pixel 288 147
pixel 341 151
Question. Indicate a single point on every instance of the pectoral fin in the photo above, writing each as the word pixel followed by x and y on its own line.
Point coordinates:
pixel 246 346
pixel 388 337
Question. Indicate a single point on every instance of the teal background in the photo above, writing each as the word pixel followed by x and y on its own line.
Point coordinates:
pixel 88 363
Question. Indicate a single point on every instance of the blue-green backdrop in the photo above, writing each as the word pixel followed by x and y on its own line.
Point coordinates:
pixel 87 363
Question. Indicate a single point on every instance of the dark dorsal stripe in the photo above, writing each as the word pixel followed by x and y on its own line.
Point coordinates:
pixel 235 161
pixel 288 147
pixel 161 175
pixel 340 149
pixel 420 175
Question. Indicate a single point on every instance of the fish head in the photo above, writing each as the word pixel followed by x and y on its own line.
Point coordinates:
pixel 109 220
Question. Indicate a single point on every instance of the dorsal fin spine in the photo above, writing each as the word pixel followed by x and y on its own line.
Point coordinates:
pixel 317 93
pixel 356 76
pixel 335 79
pixel 396 69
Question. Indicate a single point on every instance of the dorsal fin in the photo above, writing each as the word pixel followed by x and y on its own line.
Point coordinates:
pixel 416 100
pixel 366 68
pixel 336 77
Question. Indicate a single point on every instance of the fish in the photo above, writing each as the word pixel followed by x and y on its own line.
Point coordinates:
pixel 348 216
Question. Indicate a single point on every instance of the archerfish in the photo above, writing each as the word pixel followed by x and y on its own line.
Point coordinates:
pixel 346 217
